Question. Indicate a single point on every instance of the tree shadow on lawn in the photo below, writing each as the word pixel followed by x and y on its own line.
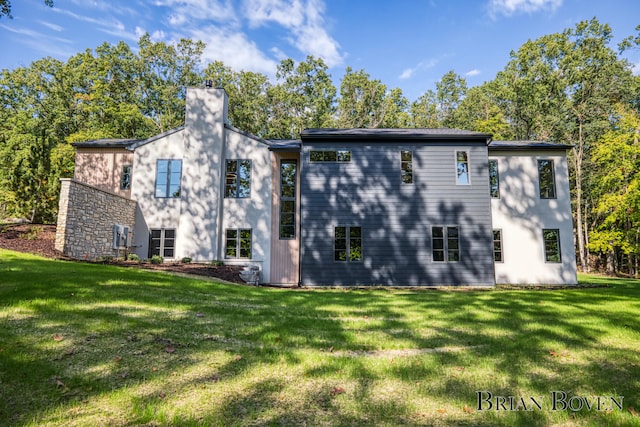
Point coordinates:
pixel 159 324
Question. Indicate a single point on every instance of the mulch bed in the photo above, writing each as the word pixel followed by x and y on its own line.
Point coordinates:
pixel 40 240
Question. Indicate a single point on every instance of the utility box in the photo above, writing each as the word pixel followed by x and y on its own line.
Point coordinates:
pixel 120 236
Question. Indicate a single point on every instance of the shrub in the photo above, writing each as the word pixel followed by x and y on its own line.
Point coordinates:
pixel 157 259
pixel 186 260
pixel 133 257
pixel 33 233
pixel 217 263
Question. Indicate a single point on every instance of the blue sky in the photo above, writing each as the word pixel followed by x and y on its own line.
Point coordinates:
pixel 408 44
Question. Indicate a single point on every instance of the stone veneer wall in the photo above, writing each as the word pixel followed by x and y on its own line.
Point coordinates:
pixel 86 217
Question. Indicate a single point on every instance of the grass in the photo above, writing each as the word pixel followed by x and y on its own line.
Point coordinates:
pixel 85 344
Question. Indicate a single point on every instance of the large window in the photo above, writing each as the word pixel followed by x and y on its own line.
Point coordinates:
pixel 168 175
pixel 238 179
pixel 497 246
pixel 347 244
pixel 125 178
pixel 462 168
pixel 238 243
pixel 551 245
pixel 494 179
pixel 406 166
pixel 162 242
pixel 547 179
pixel 445 242
pixel 330 156
pixel 288 169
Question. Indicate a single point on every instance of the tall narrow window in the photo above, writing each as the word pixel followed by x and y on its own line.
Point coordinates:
pixel 288 172
pixel 547 179
pixel 462 168
pixel 494 181
pixel 445 244
pixel 551 239
pixel 238 243
pixel 238 179
pixel 348 244
pixel 125 177
pixel 168 175
pixel 406 166
pixel 497 245
pixel 162 242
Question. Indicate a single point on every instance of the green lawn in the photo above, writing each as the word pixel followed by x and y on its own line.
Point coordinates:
pixel 85 344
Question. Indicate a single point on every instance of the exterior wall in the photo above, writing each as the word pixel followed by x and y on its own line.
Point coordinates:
pixel 396 218
pixel 253 212
pixel 522 215
pixel 102 168
pixel 285 253
pixel 154 212
pixel 86 217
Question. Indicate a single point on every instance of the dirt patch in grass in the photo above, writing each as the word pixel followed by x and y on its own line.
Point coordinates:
pixel 39 239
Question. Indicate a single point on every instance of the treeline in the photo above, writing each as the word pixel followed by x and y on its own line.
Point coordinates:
pixel 570 87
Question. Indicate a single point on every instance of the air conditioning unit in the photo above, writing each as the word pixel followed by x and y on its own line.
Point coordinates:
pixel 120 236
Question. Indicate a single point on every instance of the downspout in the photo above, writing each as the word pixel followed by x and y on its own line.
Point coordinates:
pixel 300 245
pixel 222 176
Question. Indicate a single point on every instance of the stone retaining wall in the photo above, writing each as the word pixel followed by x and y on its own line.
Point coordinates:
pixel 86 217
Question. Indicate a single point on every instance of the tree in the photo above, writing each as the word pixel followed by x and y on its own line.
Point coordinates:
pixel 5 7
pixel 424 111
pixel 304 97
pixel 362 101
pixel 450 91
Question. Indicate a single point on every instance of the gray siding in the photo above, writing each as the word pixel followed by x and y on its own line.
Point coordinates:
pixel 396 218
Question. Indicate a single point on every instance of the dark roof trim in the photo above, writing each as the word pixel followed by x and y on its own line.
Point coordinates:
pixel 526 145
pixel 154 138
pixel 247 134
pixel 403 134
pixel 105 143
pixel 290 145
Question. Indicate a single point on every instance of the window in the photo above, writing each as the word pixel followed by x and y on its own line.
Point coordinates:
pixel 494 181
pixel 462 168
pixel 547 179
pixel 288 199
pixel 406 166
pixel 238 243
pixel 125 177
pixel 348 244
pixel 238 179
pixel 330 156
pixel 445 242
pixel 497 246
pixel 168 175
pixel 162 242
pixel 551 245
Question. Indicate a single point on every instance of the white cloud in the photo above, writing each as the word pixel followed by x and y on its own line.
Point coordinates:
pixel 51 26
pixel 422 65
pixel 186 11
pixel 472 73
pixel 234 49
pixel 510 7
pixel 288 13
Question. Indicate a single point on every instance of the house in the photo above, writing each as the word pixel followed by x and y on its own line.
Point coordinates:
pixel 344 207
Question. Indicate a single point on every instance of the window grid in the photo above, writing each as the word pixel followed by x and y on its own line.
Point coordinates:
pixel 497 246
pixel 406 166
pixel 445 244
pixel 238 243
pixel 288 177
pixel 462 168
pixel 330 156
pixel 551 238
pixel 347 244
pixel 125 178
pixel 238 179
pixel 168 176
pixel 494 179
pixel 162 242
pixel 546 179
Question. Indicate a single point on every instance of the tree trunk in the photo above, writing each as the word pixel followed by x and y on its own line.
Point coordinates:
pixel 579 151
pixel 611 269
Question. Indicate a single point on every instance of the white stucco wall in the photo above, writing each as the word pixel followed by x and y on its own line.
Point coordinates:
pixel 252 212
pixel 522 215
pixel 154 212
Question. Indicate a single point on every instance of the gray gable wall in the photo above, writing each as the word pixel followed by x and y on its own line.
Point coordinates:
pixel 396 218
